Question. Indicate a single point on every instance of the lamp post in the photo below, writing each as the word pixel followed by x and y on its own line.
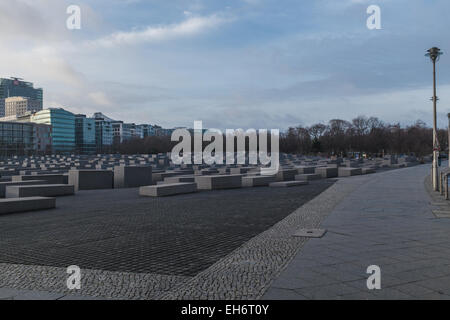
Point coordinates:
pixel 434 54
pixel 448 116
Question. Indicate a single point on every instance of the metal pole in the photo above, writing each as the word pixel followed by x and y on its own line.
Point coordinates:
pixel 435 152
pixel 448 116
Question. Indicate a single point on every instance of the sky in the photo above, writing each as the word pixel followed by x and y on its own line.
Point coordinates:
pixel 262 64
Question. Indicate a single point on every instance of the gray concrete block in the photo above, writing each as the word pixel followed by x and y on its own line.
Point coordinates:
pixel 168 189
pixel 3 185
pixel 257 181
pixel 132 176
pixel 368 170
pixel 179 179
pixel 285 184
pixel 286 174
pixel 239 170
pixel 305 169
pixel 160 176
pixel 327 172
pixel 49 178
pixel 308 177
pixel 43 190
pixel 213 182
pixel 91 179
pixel 13 205
pixel 348 172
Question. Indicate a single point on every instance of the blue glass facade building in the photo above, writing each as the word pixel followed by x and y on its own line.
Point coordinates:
pixel 63 128
pixel 85 134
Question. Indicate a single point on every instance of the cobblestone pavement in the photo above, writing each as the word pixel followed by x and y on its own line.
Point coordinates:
pixel 52 234
pixel 116 230
pixel 387 221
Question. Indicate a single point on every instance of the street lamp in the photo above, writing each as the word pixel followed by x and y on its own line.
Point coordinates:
pixel 434 54
pixel 448 116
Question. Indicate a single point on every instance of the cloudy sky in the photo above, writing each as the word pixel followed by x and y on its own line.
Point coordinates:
pixel 231 63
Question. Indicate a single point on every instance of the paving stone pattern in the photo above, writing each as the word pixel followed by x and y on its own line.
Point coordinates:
pixel 388 222
pixel 116 230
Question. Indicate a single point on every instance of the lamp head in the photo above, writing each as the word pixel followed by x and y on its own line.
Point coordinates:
pixel 434 53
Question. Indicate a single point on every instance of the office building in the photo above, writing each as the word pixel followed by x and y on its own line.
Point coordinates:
pixel 19 106
pixel 63 128
pixel 24 139
pixel 15 87
pixel 103 132
pixel 163 132
pixel 85 134
pixel 42 138
pixel 122 131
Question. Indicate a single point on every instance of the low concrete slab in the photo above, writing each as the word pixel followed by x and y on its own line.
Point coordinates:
pixel 286 184
pixel 3 185
pixel 213 182
pixel 169 189
pixel 160 176
pixel 305 169
pixel 348 172
pixel 240 170
pixel 13 205
pixel 179 179
pixel 308 177
pixel 257 181
pixel 286 174
pixel 43 190
pixel 327 172
pixel 49 178
pixel 368 170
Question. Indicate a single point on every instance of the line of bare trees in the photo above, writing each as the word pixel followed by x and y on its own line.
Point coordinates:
pixel 361 135
pixel 367 135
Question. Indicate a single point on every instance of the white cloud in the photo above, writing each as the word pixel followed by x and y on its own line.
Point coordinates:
pixel 190 27
pixel 100 99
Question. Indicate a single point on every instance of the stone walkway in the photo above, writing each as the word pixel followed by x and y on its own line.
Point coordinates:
pixel 388 222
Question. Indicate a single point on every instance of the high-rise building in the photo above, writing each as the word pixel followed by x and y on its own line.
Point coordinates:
pixel 63 128
pixel 139 131
pixel 24 139
pixel 19 106
pixel 85 134
pixel 15 87
pixel 42 138
pixel 103 131
pixel 162 131
pixel 122 131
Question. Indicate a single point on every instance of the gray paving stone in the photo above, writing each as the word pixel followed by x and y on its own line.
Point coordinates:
pixel 78 297
pixel 434 296
pixel 399 234
pixel 331 291
pixel 283 294
pixel 414 290
pixel 391 294
pixel 8 293
pixel 37 295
